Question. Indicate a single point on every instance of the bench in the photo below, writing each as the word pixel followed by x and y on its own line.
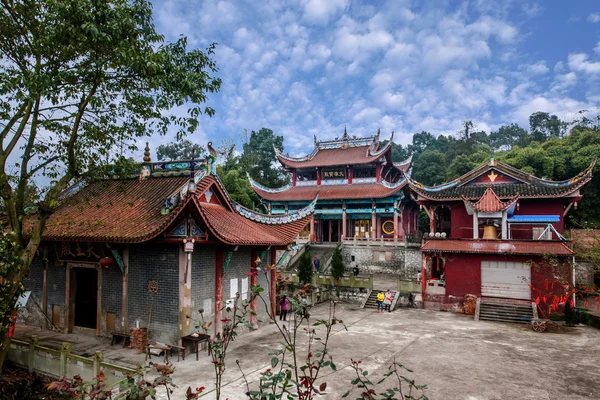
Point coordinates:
pixel 164 348
pixel 120 337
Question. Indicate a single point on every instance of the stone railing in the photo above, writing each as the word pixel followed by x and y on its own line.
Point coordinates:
pixel 351 281
pixel 61 363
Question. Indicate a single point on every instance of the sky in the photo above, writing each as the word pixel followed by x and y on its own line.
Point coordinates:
pixel 310 67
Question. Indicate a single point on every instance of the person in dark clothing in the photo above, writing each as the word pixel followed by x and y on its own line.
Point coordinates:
pixel 355 271
pixel 317 263
pixel 285 305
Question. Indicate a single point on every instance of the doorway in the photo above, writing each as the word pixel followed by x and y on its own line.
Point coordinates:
pixel 85 301
pixel 362 228
pixel 331 230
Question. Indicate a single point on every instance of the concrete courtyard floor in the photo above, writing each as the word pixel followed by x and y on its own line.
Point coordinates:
pixel 457 357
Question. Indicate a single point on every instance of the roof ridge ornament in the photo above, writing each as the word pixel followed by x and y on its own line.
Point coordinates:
pixel 345 136
pixel 377 135
pixel 316 141
pixel 276 219
pixel 147 153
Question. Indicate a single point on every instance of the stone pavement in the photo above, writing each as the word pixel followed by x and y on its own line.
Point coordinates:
pixel 458 358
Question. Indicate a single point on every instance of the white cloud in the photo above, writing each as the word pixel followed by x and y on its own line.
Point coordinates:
pixel 579 62
pixel 594 17
pixel 539 68
pixel 320 11
pixel 597 49
pixel 564 81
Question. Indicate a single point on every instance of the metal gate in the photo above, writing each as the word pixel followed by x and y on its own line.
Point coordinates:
pixel 506 279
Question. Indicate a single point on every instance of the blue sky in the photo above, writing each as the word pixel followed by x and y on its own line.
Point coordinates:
pixel 310 67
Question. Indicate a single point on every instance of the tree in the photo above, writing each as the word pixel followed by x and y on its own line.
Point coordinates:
pixel 544 126
pixel 258 156
pixel 180 150
pixel 305 268
pixel 78 78
pixel 429 168
pixel 337 264
pixel 420 142
pixel 508 136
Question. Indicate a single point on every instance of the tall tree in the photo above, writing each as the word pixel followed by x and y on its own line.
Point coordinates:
pixel 258 158
pixel 430 168
pixel 180 150
pixel 305 268
pixel 337 265
pixel 421 141
pixel 508 136
pixel 79 77
pixel 544 126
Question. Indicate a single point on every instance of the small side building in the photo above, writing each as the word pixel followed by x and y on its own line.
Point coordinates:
pixel 154 250
pixel 497 233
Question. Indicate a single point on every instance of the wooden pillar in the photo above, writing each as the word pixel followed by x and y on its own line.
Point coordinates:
pixel 67 324
pixel 273 277
pixel 329 237
pixel 269 208
pixel 125 291
pixel 287 211
pixel 432 220
pixel 344 223
pixel 318 176
pixel 312 228
pixel 395 221
pixel 423 278
pixel 294 177
pixel 378 172
pixel 218 325
pixel 350 175
pixel 185 291
pixel 45 288
pixel 373 221
pixel 253 281
pixel 475 226
pixel 504 226
pixel 99 303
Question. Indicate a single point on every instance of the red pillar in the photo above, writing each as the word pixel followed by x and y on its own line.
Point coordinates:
pixel 350 175
pixel 395 221
pixel 219 256
pixel 319 176
pixel 253 281
pixel 373 222
pixel 273 277
pixel 294 177
pixel 423 278
pixel 312 228
pixel 344 224
pixel 378 172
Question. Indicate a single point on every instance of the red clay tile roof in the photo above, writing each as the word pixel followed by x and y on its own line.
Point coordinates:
pixel 232 228
pixel 129 211
pixel 333 157
pixel 524 247
pixel 330 192
pixel 490 203
pixel 126 210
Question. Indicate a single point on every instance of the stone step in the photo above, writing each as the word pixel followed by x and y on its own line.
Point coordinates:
pixel 516 321
pixel 497 305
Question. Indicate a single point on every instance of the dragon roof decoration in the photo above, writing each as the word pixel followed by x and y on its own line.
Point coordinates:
pixel 277 219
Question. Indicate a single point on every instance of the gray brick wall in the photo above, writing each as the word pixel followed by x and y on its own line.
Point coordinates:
pixel 112 289
pixel 203 281
pixel 158 262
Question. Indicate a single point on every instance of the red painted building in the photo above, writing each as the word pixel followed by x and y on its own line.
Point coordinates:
pixel 491 234
pixel 359 188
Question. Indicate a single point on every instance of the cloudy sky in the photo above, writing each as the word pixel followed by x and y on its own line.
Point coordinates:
pixel 310 67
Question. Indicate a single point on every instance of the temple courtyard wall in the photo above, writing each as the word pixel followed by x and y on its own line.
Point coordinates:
pixel 377 259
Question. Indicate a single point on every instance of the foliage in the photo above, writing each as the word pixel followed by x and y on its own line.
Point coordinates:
pixel 337 264
pixel 10 288
pixel 305 268
pixel 400 391
pixel 259 155
pixel 81 80
pixel 180 150
pixel 132 388
pixel 430 168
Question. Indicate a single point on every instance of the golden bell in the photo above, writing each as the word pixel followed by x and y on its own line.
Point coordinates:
pixel 490 232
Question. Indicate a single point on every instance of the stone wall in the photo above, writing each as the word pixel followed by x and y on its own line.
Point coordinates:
pixel 400 260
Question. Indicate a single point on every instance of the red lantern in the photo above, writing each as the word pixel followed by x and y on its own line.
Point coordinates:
pixel 106 262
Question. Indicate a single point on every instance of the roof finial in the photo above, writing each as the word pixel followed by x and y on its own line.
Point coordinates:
pixel 345 137
pixel 316 141
pixel 147 153
pixel 392 137
pixel 377 136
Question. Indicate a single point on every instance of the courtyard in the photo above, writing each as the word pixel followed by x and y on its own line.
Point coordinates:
pixel 457 357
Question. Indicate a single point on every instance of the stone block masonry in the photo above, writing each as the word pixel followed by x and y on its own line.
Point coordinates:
pixel 399 260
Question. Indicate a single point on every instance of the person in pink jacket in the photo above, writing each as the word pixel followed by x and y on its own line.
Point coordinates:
pixel 285 305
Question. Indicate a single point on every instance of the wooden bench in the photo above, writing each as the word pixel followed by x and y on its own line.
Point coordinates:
pixel 166 349
pixel 120 337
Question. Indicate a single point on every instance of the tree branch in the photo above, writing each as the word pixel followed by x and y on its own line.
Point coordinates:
pixel 12 123
pixel 24 181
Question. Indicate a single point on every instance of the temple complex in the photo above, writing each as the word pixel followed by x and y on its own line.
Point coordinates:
pixel 359 188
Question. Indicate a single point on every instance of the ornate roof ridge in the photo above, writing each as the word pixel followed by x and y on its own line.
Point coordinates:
pixel 404 162
pixel 276 219
pixel 253 183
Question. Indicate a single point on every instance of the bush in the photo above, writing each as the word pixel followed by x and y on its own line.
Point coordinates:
pixel 337 265
pixel 305 268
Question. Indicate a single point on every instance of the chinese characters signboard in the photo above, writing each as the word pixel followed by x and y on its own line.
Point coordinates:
pixel 339 173
pixel 81 252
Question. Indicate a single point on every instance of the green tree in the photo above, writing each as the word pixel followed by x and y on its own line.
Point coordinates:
pixel 420 142
pixel 90 75
pixel 508 136
pixel 429 168
pixel 544 126
pixel 180 150
pixel 259 155
pixel 305 268
pixel 337 264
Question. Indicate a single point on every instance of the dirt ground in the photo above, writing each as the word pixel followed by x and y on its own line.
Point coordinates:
pixel 457 358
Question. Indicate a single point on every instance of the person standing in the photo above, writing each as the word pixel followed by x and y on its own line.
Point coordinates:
pixel 389 297
pixel 380 299
pixel 317 263
pixel 285 305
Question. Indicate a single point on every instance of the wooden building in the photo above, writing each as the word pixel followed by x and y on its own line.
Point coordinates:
pixel 497 233
pixel 359 188
pixel 153 250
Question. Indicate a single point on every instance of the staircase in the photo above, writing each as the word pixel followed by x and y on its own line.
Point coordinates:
pixel 505 310
pixel 371 301
pixel 324 251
